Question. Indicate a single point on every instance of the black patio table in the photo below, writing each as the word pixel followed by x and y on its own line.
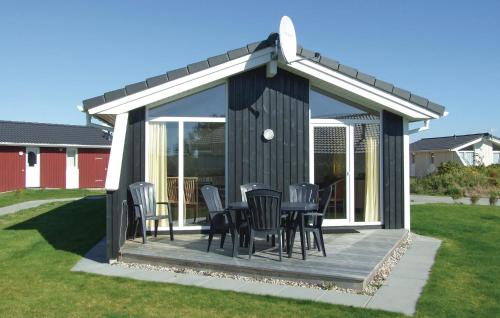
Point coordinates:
pixel 290 208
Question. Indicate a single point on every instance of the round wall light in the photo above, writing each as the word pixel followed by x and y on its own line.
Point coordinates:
pixel 268 134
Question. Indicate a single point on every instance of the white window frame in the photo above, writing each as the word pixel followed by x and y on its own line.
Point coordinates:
pixel 496 152
pixel 463 152
pixel 181 226
pixel 350 173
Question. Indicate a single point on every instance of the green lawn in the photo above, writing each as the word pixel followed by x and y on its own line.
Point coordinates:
pixel 14 197
pixel 40 245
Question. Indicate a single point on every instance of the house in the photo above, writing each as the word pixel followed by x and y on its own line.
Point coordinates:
pixel 248 115
pixel 39 155
pixel 468 150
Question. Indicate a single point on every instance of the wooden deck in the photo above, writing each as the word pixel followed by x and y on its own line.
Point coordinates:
pixel 352 258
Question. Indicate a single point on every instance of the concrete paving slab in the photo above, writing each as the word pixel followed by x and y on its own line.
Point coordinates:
pixel 261 288
pixel 334 297
pixel 301 293
pixel 30 204
pixel 223 284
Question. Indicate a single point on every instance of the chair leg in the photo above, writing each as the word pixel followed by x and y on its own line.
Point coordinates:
pixel 222 239
pixel 136 227
pixel 302 238
pixel 156 227
pixel 250 246
pixel 171 230
pixel 273 240
pixel 233 238
pixel 322 241
pixel 210 237
pixel 279 244
pixel 308 240
pixel 143 223
pixel 316 241
pixel 242 237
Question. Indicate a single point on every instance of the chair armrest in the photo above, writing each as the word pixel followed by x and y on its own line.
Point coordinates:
pixel 162 202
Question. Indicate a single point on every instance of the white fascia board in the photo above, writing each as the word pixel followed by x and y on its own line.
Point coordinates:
pixel 495 140
pixel 184 84
pixel 23 144
pixel 385 100
pixel 460 157
pixel 116 155
pixel 475 141
pixel 406 175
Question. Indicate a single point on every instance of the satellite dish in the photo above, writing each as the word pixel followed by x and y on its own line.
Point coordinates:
pixel 288 39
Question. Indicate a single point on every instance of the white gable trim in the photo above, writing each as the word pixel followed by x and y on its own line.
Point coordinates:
pixel 475 141
pixel 383 99
pixel 184 84
pixel 116 155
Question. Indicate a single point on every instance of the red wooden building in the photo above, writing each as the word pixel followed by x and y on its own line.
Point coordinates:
pixel 37 155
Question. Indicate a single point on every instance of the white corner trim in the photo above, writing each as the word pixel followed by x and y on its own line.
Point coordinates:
pixel 460 157
pixel 467 144
pixel 184 84
pixel 116 155
pixel 406 174
pixel 425 127
pixel 386 100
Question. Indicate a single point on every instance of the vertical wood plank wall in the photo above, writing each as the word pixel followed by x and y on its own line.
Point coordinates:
pixel 393 171
pixel 257 103
pixel 132 170
pixel 53 168
pixel 12 168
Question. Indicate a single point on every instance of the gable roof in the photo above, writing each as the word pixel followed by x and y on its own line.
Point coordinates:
pixel 446 143
pixel 249 49
pixel 28 133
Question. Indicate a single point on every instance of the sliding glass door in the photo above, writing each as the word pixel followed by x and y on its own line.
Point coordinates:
pixel 346 156
pixel 331 167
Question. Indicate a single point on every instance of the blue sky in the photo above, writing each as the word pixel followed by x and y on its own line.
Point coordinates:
pixel 54 54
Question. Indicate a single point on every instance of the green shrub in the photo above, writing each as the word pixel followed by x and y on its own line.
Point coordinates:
pixel 474 199
pixel 455 193
pixel 493 198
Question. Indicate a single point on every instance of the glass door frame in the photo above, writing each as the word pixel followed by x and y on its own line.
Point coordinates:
pixel 180 121
pixel 350 173
pixel 349 185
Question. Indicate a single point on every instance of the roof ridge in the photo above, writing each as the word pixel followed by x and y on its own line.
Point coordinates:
pixel 451 136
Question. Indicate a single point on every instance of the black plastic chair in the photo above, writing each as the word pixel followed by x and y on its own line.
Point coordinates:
pixel 317 220
pixel 305 193
pixel 143 197
pixel 249 187
pixel 219 218
pixel 264 207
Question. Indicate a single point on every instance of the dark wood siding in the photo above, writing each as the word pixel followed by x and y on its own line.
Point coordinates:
pixel 393 171
pixel 132 170
pixel 257 103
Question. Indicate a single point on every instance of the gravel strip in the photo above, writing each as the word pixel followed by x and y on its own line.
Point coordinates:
pixel 376 283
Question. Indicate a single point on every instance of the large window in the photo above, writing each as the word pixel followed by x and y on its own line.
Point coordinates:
pixel 326 106
pixel 186 150
pixel 496 154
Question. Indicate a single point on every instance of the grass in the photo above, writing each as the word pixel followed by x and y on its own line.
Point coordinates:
pixel 14 197
pixel 40 245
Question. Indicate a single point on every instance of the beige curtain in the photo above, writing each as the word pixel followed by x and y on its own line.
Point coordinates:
pixel 157 164
pixel 372 180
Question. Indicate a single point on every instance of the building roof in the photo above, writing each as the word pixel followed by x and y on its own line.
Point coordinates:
pixel 13 132
pixel 446 143
pixel 251 48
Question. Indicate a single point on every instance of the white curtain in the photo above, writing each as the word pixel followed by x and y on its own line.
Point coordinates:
pixel 157 164
pixel 372 180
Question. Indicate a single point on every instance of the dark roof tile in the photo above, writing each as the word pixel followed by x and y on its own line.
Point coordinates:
pixel 236 53
pixel 53 134
pixel 404 94
pixel 384 85
pixel 308 54
pixel 157 80
pixel 419 100
pixel 136 87
pixel 328 62
pixel 445 143
pixel 116 94
pixel 93 102
pixel 199 66
pixel 218 59
pixel 436 107
pixel 349 71
pixel 178 73
pixel 368 79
